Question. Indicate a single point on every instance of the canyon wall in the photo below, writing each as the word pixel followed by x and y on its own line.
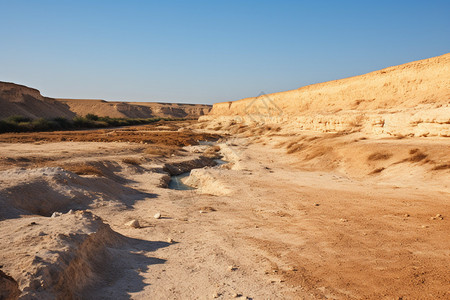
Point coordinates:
pixel 410 99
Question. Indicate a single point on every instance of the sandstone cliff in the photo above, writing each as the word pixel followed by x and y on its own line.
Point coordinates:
pixel 409 99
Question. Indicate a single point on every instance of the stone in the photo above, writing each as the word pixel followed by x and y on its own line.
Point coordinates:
pixel 157 215
pixel 232 268
pixel 133 223
pixel 56 214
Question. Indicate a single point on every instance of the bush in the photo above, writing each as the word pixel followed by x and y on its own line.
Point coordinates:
pixel 63 123
pixel 40 125
pixel 84 169
pixel 25 124
pixel 92 117
pixel 7 126
pixel 17 119
pixel 82 122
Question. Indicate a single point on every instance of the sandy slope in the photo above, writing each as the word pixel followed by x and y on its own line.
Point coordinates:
pixel 410 99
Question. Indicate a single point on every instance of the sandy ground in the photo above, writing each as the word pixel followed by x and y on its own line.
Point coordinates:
pixel 267 225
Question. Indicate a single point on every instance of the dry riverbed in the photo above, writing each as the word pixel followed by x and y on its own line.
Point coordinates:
pixel 282 219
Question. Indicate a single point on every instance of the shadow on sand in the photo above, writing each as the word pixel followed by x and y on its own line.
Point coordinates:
pixel 122 275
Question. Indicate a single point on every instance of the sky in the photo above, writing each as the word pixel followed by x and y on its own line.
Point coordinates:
pixel 209 51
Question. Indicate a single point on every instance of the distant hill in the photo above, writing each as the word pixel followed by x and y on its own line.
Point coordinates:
pixel 21 100
pixel 104 108
pixel 28 102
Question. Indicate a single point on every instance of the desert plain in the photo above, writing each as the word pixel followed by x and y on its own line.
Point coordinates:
pixel 339 190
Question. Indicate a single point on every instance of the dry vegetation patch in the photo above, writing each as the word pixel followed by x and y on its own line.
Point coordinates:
pixel 379 156
pixel 416 155
pixel 131 161
pixel 294 147
pixel 144 134
pixel 162 151
pixel 376 171
pixel 441 167
pixel 84 169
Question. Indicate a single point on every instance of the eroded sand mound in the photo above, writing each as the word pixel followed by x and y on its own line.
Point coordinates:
pixel 61 256
pixel 410 99
pixel 43 191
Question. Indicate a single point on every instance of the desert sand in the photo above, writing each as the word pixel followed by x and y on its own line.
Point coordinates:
pixel 295 210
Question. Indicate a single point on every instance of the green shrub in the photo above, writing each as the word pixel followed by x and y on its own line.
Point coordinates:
pixel 92 117
pixel 7 126
pixel 63 123
pixel 25 124
pixel 40 125
pixel 18 119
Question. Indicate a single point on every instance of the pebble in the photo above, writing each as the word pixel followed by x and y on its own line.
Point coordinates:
pixel 343 220
pixel 232 268
pixel 316 204
pixel 216 295
pixel 406 215
pixel 170 240
pixel 157 215
pixel 56 214
pixel 133 223
pixel 437 217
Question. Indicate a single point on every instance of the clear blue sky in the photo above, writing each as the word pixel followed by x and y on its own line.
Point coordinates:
pixel 209 51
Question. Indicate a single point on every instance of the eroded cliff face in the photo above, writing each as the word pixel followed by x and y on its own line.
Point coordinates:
pixel 411 99
pixel 21 100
